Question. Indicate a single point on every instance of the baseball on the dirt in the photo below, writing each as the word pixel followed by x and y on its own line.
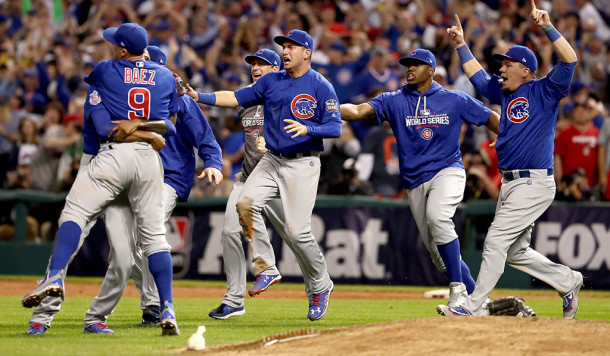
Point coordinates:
pixel 196 341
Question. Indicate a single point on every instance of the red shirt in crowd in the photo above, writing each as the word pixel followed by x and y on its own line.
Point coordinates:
pixel 578 149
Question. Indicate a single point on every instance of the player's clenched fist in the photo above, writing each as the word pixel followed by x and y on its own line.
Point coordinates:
pixel 191 92
pixel 456 33
pixel 157 141
pixel 260 144
pixel 539 17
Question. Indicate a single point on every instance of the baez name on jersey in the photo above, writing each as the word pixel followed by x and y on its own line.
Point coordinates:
pixel 440 119
pixel 139 76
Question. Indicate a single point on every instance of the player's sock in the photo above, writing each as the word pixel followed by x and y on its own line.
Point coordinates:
pixel 467 277
pixel 160 266
pixel 66 243
pixel 450 253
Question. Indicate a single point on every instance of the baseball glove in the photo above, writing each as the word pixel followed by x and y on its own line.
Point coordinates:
pixel 510 306
pixel 180 86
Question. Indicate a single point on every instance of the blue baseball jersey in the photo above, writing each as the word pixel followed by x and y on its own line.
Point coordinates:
pixel 135 89
pixel 529 117
pixel 309 99
pixel 91 139
pixel 427 128
pixel 192 130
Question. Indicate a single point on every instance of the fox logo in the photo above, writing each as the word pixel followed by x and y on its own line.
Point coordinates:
pixel 518 110
pixel 303 106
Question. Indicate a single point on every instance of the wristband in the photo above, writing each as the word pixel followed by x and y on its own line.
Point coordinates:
pixel 465 54
pixel 551 32
pixel 207 98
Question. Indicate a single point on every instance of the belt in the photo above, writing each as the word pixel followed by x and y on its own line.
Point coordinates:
pixel 525 173
pixel 295 155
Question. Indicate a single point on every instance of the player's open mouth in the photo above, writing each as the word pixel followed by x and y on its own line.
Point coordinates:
pixel 410 76
pixel 286 60
pixel 256 75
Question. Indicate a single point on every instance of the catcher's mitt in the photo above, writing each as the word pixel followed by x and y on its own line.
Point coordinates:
pixel 510 306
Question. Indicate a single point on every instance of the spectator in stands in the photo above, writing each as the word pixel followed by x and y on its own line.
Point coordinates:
pixel 21 178
pixel 340 71
pixel 378 162
pixel 576 145
pixel 332 161
pixel 603 159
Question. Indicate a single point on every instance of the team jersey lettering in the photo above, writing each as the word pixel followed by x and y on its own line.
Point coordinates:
pixel 517 110
pixel 303 106
pixel 139 101
pixel 429 119
pixel 139 76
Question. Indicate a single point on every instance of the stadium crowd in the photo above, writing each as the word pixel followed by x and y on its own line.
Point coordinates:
pixel 48 46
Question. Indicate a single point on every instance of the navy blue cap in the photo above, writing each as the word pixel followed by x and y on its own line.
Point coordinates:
pixel 130 36
pixel 520 54
pixel 339 46
pixel 419 55
pixel 157 55
pixel 301 37
pixel 266 55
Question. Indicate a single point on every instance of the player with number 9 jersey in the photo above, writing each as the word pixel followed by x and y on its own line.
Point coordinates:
pixel 135 89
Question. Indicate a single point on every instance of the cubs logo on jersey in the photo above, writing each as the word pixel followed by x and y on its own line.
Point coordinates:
pixel 255 134
pixel 518 110
pixel 427 134
pixel 303 106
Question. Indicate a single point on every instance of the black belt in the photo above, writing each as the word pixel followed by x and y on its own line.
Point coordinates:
pixel 295 155
pixel 512 175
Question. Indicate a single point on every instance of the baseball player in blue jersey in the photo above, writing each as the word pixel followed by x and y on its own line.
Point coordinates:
pixel 525 159
pixel 426 120
pixel 300 109
pixel 263 61
pixel 125 258
pixel 128 88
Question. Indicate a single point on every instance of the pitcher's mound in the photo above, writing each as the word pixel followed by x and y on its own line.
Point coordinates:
pixel 437 336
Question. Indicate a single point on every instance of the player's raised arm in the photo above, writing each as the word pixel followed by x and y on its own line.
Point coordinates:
pixel 456 35
pixel 224 99
pixel 351 112
pixel 541 18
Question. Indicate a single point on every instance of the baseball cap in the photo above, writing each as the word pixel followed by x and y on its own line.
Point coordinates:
pixel 419 55
pixel 520 54
pixel 130 36
pixel 301 37
pixel 339 46
pixel 157 55
pixel 266 55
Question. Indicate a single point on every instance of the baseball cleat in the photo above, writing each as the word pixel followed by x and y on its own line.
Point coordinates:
pixel 151 316
pixel 570 300
pixel 99 328
pixel 225 312
pixel 36 329
pixel 51 285
pixel 262 283
pixel 446 310
pixel 169 326
pixel 457 294
pixel 319 304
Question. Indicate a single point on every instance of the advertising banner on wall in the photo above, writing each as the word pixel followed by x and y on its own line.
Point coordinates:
pixel 376 245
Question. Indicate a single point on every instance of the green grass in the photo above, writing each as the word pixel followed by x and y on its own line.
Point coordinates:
pixel 263 317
